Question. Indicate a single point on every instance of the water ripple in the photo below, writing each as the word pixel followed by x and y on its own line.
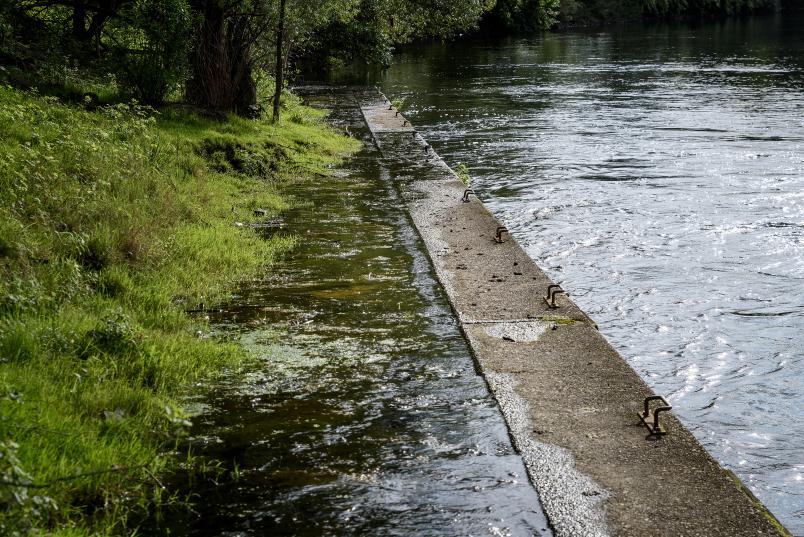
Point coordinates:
pixel 659 174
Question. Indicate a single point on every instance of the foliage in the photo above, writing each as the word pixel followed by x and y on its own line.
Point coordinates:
pixel 534 15
pixel 376 26
pixel 112 224
pixel 462 171
pixel 705 7
pixel 362 38
pixel 150 47
pixel 20 508
pixel 522 15
pixel 213 50
pixel 597 11
pixel 145 42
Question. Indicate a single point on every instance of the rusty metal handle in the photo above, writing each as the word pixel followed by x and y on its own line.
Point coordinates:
pixel 553 290
pixel 653 398
pixel 498 235
pixel 551 287
pixel 655 427
pixel 466 193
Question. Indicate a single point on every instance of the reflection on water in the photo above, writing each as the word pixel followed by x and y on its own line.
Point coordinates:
pixel 367 416
pixel 659 174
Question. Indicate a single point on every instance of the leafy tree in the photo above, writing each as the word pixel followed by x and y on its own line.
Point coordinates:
pixel 144 42
pixel 149 43
pixel 597 11
pixel 238 37
pixel 296 23
pixel 84 20
pixel 379 25
pixel 406 20
pixel 221 64
pixel 522 15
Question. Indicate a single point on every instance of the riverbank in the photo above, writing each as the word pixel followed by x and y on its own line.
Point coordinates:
pixel 115 223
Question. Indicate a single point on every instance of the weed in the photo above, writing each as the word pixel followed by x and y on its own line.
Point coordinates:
pixel 463 173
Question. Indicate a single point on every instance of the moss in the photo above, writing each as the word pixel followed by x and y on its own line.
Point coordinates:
pixel 782 531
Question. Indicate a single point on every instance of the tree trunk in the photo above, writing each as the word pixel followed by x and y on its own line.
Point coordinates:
pixel 221 77
pixel 79 22
pixel 210 85
pixel 280 35
pixel 245 90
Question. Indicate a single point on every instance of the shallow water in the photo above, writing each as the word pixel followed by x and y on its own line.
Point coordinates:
pixel 659 174
pixel 366 415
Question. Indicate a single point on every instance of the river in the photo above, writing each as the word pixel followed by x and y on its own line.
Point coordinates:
pixel 658 173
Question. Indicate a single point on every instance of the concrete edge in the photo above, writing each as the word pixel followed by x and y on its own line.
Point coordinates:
pixel 574 503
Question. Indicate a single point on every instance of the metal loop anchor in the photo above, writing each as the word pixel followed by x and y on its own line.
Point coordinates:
pixel 498 235
pixel 405 123
pixel 652 421
pixel 466 193
pixel 552 290
pixel 396 114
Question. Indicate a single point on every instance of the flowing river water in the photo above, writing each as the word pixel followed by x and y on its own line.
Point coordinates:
pixel 365 415
pixel 659 174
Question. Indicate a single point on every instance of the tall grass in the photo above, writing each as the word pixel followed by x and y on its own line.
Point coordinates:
pixel 112 224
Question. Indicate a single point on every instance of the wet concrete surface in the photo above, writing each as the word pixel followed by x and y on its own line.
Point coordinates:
pixel 570 400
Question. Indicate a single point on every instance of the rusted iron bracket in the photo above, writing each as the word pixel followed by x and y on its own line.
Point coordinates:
pixel 553 290
pixel 498 235
pixel 466 193
pixel 651 419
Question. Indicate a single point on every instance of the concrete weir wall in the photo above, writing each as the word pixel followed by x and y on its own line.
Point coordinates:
pixel 570 400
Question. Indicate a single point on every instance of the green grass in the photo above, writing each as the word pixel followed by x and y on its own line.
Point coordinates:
pixel 112 224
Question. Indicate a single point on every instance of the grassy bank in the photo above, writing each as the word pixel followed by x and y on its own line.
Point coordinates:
pixel 113 223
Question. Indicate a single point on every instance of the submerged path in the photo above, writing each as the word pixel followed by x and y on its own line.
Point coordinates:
pixel 367 416
pixel 571 401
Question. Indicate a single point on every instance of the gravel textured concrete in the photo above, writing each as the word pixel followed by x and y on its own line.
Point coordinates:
pixel 570 400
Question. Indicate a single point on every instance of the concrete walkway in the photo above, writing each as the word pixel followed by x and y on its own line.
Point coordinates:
pixel 570 400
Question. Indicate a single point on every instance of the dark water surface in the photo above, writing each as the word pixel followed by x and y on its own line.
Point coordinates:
pixel 659 174
pixel 367 416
